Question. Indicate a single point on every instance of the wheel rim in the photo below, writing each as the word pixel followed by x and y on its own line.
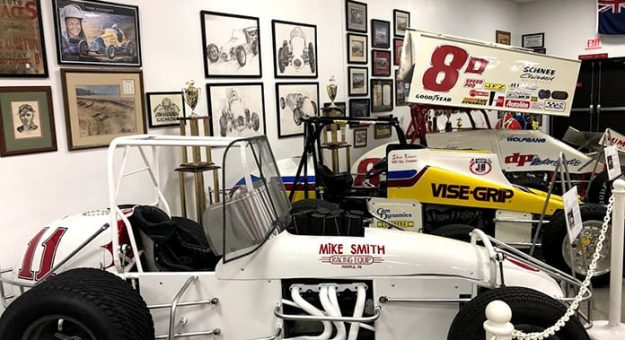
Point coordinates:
pixel 584 247
pixel 57 327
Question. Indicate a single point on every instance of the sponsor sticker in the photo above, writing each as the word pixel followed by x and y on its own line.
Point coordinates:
pixel 474 83
pixel 403 158
pixel 554 105
pixel 523 86
pixel 517 104
pixel 534 160
pixel 433 97
pixel 480 166
pixel 466 192
pixel 353 256
pixel 538 73
pixel 474 101
pixel 518 95
pixel 495 87
pixel 477 93
pixel 519 139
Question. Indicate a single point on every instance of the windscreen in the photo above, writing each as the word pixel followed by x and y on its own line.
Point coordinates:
pixel 254 205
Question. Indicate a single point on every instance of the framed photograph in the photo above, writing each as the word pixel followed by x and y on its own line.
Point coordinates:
pixel 22 59
pixel 357 49
pixel 26 120
pixel 503 37
pixel 231 45
pixel 380 63
pixel 295 100
pixel 381 95
pixel 237 110
pixel 356 16
pixel 164 108
pixel 401 22
pixel 534 40
pixel 382 131
pixel 359 108
pixel 102 105
pixel 402 90
pixel 358 80
pixel 340 109
pixel 360 138
pixel 540 50
pixel 97 33
pixel 381 32
pixel 398 45
pixel 294 49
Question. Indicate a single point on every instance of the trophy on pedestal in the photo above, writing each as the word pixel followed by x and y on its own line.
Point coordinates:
pixel 335 142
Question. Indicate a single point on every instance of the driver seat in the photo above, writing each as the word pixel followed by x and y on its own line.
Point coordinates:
pixel 335 185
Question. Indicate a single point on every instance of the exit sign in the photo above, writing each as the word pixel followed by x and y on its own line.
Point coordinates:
pixel 593 44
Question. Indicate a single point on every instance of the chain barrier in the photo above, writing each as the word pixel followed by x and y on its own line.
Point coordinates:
pixel 582 290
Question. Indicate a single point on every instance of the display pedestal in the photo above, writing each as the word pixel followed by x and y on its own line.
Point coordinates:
pixel 601 330
pixel 336 142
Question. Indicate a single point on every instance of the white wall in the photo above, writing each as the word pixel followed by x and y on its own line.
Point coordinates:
pixel 35 189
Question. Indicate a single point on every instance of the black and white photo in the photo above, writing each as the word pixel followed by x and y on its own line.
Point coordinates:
pixel 360 138
pixel 294 49
pixel 164 108
pixel 358 81
pixel 401 22
pixel 236 110
pixel 357 49
pixel 381 33
pixel 295 100
pixel 356 16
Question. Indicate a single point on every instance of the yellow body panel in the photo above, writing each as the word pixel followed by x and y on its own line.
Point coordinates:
pixel 440 186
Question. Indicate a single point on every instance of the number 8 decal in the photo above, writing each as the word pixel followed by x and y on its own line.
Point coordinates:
pixel 50 246
pixel 451 71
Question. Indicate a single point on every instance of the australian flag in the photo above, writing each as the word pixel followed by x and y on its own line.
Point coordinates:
pixel 611 16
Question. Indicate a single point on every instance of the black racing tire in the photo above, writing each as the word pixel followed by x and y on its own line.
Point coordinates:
pixel 458 232
pixel 532 311
pixel 212 53
pixel 241 56
pixel 312 204
pixel 600 189
pixel 255 121
pixel 555 236
pixel 311 58
pixel 92 302
pixel 298 114
pixel 110 52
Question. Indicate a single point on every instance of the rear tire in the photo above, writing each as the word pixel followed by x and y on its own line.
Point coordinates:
pixel 532 311
pixel 110 52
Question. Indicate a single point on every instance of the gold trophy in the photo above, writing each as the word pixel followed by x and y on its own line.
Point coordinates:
pixel 335 143
pixel 191 95
pixel 331 89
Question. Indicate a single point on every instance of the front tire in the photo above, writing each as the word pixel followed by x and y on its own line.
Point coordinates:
pixel 241 56
pixel 311 58
pixel 532 311
pixel 212 52
pixel 83 303
pixel 110 52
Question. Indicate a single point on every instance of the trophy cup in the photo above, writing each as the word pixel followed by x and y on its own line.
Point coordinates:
pixel 331 89
pixel 337 132
pixel 191 95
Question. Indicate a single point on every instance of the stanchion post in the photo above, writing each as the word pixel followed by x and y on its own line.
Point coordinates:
pixel 497 324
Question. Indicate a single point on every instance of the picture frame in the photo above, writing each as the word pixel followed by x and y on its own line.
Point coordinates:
pixel 357 49
pixel 503 37
pixel 340 109
pixel 235 36
pixel 402 90
pixel 165 108
pixel 101 105
pixel 380 33
pixel 533 40
pixel 355 16
pixel 101 33
pixel 401 22
pixel 237 109
pixel 380 63
pixel 26 120
pixel 360 138
pixel 540 50
pixel 33 58
pixel 294 64
pixel 359 108
pixel 398 45
pixel 381 95
pixel 294 100
pixel 358 81
pixel 381 131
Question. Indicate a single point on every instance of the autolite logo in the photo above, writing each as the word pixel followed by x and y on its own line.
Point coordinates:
pixel 518 104
pixel 464 192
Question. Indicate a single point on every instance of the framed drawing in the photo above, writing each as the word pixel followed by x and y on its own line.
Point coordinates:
pixel 237 109
pixel 380 63
pixel 22 59
pixel 381 33
pixel 534 40
pixel 26 120
pixel 356 16
pixel 401 22
pixel 295 100
pixel 381 95
pixel 97 33
pixel 164 108
pixel 382 131
pixel 359 108
pixel 357 49
pixel 102 105
pixel 231 45
pixel 402 89
pixel 294 49
pixel 360 138
pixel 502 37
pixel 358 80
pixel 398 45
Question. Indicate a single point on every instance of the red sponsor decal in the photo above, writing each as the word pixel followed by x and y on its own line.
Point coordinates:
pixel 352 261
pixel 474 83
pixel 476 93
pixel 500 101
pixel 362 169
pixel 50 246
pixel 448 60
pixel 518 159
pixel 518 104
pixel 353 256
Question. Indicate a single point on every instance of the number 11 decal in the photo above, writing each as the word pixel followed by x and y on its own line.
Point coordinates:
pixel 50 246
pixel 450 71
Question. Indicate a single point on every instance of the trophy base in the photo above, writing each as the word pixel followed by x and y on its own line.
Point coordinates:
pixel 200 167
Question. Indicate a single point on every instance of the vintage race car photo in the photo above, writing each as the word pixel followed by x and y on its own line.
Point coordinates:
pixel 300 104
pixel 112 42
pixel 242 43
pixel 297 52
pixel 236 116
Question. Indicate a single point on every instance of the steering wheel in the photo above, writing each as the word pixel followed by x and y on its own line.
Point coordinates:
pixel 378 168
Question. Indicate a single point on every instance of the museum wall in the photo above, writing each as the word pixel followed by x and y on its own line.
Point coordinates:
pixel 38 188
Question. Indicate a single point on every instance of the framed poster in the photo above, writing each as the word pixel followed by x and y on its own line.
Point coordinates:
pixel 381 131
pixel 359 108
pixel 358 80
pixel 231 45
pixel 26 120
pixel 534 40
pixel 360 138
pixel 164 108
pixel 398 45
pixel 381 33
pixel 97 33
pixel 381 95
pixel 22 59
pixel 503 37
pixel 357 49
pixel 402 90
pixel 380 63
pixel 295 100
pixel 401 22
pixel 102 105
pixel 237 109
pixel 356 16
pixel 294 49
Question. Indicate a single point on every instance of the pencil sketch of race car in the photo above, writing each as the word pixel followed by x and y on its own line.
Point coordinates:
pixel 236 116
pixel 297 52
pixel 300 104
pixel 111 42
pixel 242 42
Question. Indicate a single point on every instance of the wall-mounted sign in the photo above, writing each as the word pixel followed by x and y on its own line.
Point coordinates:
pixel 593 56
pixel 593 44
